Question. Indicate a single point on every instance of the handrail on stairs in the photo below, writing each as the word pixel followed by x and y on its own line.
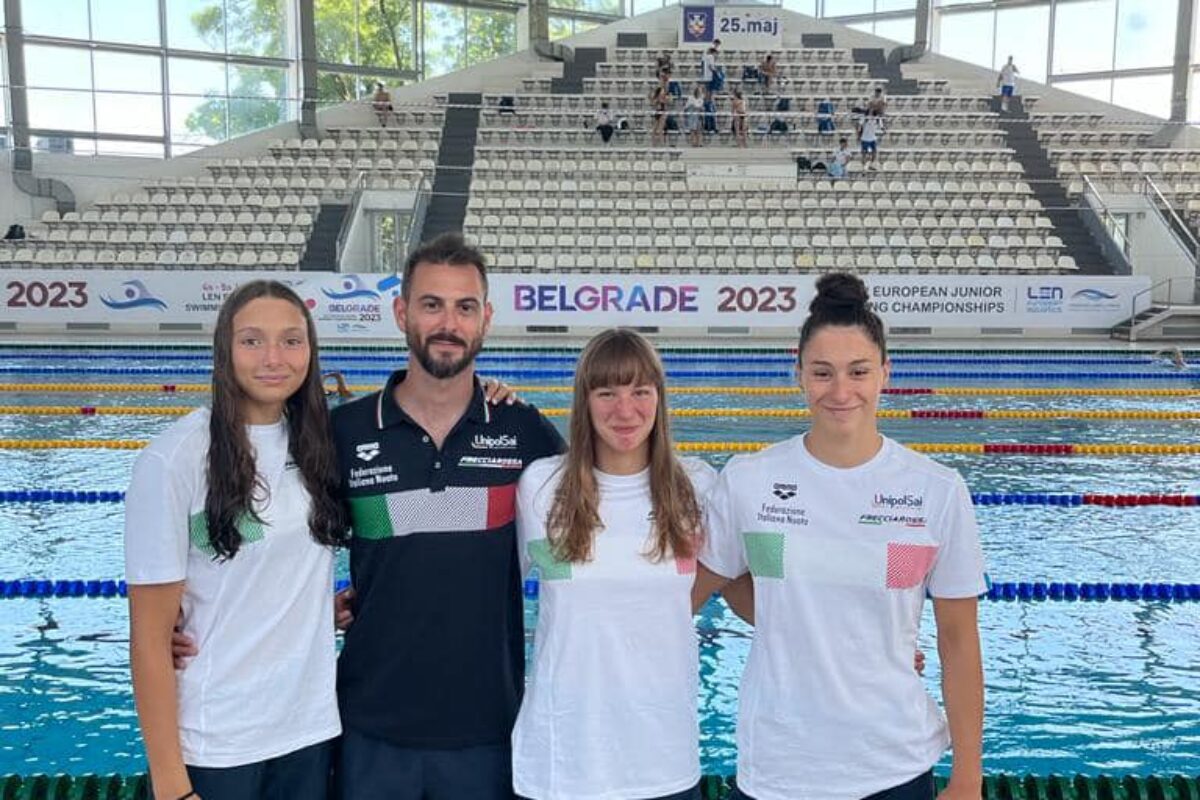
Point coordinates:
pixel 1168 282
pixel 1108 220
pixel 1163 207
pixel 356 192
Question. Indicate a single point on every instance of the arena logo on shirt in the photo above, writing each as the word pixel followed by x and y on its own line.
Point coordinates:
pixel 367 451
pixel 505 441
pixel 784 491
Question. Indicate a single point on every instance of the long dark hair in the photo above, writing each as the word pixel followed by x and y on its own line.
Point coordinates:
pixel 233 480
pixel 842 299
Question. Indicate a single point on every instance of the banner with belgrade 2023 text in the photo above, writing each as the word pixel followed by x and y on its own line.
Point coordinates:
pixel 360 306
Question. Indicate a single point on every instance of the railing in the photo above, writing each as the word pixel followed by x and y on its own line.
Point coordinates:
pixel 356 192
pixel 1108 221
pixel 416 220
pixel 1169 283
pixel 1171 219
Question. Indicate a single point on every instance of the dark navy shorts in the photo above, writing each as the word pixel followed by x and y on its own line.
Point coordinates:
pixel 372 769
pixel 687 794
pixel 919 788
pixel 1007 91
pixel 300 775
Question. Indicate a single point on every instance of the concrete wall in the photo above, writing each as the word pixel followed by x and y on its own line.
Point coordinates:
pixel 357 255
pixel 1154 249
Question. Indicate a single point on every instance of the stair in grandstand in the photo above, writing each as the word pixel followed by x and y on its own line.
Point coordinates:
pixel 1063 213
pixel 320 255
pixel 879 67
pixel 456 155
pixel 583 65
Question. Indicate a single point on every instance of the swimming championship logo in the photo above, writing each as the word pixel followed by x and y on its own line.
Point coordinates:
pixel 698 23
pixel 351 287
pixel 136 295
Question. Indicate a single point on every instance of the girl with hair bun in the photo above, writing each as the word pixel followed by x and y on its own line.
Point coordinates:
pixel 845 532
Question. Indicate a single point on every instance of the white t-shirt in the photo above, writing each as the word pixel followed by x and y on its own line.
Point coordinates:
pixel 830 707
pixel 610 709
pixel 870 129
pixel 1008 75
pixel 842 156
pixel 708 64
pixel 263 684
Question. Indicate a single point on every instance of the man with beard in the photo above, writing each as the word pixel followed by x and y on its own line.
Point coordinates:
pixel 431 675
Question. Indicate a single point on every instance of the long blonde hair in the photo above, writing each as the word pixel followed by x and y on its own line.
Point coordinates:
pixel 621 357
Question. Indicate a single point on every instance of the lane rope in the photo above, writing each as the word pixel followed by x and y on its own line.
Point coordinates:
pixel 763 391
pixel 960 448
pixel 766 413
pixel 1064 499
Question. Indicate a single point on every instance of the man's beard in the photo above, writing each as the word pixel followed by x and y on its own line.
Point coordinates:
pixel 442 368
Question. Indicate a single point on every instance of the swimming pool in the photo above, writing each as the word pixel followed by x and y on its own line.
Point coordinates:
pixel 1072 687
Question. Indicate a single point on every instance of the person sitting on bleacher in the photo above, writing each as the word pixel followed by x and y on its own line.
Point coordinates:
pixel 664 62
pixel 825 123
pixel 693 111
pixel 605 123
pixel 840 161
pixel 381 101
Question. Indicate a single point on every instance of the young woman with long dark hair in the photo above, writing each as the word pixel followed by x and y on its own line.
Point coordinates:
pixel 844 532
pixel 231 519
pixel 613 527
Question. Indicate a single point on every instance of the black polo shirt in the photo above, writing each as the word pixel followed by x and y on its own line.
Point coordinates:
pixel 435 657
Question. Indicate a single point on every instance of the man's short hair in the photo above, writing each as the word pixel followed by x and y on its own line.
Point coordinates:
pixel 448 248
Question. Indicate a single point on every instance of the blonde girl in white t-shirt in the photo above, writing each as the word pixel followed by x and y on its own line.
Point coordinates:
pixel 613 528
pixel 230 523
pixel 845 532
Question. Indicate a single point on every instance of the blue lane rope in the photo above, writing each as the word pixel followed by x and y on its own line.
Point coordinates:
pixel 549 372
pixel 1024 591
pixel 1130 500
pixel 570 358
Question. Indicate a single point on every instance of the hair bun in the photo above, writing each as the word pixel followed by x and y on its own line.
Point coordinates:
pixel 841 291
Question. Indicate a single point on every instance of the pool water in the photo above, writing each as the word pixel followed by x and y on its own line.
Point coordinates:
pixel 1072 687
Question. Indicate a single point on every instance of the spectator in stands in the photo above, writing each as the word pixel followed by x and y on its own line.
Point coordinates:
pixel 868 136
pixel 711 72
pixel 738 109
pixel 381 101
pixel 605 123
pixel 693 113
pixel 840 161
pixel 15 232
pixel 768 73
pixel 710 111
pixel 659 103
pixel 825 124
pixel 1007 81
pixel 664 62
pixel 877 103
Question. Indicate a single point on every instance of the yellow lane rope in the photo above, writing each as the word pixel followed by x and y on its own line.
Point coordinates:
pixel 765 413
pixel 975 448
pixel 764 391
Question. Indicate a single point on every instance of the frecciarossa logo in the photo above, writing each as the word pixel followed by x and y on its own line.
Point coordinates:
pixel 881 500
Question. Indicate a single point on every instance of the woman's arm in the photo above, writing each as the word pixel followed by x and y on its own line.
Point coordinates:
pixel 962 691
pixel 153 609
